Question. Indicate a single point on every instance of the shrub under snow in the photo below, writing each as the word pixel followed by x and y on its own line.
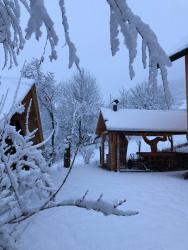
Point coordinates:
pixel 87 153
pixel 24 179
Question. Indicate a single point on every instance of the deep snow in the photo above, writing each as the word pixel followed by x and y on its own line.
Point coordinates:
pixel 160 198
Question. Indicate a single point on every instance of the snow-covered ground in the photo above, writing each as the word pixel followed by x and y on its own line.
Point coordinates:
pixel 160 198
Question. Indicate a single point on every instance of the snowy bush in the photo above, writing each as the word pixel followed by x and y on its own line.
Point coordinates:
pixel 87 153
pixel 24 179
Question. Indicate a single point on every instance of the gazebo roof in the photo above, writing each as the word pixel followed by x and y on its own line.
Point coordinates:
pixel 134 120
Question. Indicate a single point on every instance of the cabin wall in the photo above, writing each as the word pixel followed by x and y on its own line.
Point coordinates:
pixel 19 120
pixel 101 128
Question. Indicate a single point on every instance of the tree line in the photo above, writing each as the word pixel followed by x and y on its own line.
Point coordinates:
pixel 142 96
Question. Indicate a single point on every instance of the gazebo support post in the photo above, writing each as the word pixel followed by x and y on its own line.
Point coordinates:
pixel 170 138
pixel 186 77
pixel 118 151
pixel 113 151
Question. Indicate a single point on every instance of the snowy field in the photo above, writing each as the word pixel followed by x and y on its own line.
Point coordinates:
pixel 160 198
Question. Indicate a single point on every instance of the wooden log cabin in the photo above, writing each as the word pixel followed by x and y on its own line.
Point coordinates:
pixel 26 92
pixel 114 126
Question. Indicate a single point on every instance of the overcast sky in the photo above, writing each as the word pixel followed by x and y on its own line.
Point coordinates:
pixel 89 28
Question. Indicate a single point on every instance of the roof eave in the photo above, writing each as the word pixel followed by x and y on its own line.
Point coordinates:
pixel 133 132
pixel 178 54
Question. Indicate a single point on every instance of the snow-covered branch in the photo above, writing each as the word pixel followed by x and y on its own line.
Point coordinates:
pixel 131 25
pixel 73 58
pixel 122 19
pixel 12 34
pixel 98 205
pixel 39 16
pixel 101 206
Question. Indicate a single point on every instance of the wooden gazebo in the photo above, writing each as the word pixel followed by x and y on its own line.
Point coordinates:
pixel 114 127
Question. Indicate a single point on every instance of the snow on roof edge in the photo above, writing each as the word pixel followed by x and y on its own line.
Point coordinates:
pixel 10 84
pixel 135 120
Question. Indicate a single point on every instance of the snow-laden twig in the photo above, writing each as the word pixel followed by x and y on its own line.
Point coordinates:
pixel 14 186
pixel 40 145
pixel 3 100
pixel 73 58
pixel 44 52
pixel 103 207
pixel 119 203
pixel 64 180
pixel 27 118
pixel 18 87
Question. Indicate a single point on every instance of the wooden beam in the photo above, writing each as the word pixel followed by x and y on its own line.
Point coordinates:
pixel 102 151
pixel 118 151
pixel 186 77
pixel 178 55
pixel 148 133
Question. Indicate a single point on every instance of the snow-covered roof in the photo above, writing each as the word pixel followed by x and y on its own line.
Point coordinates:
pixel 180 51
pixel 145 120
pixel 10 84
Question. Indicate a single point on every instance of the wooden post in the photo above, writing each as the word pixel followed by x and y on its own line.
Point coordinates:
pixel 139 147
pixel 186 77
pixel 126 142
pixel 102 151
pixel 170 138
pixel 118 151
pixel 113 152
